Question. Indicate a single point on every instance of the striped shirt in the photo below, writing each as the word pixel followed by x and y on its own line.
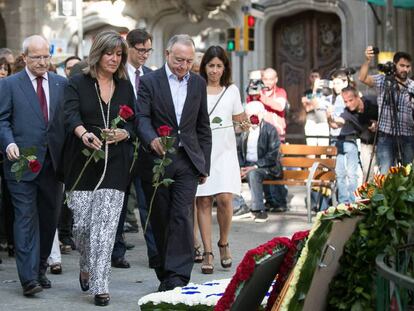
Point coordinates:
pixel 404 103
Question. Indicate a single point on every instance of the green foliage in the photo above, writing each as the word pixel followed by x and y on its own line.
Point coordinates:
pixel 216 120
pixel 21 165
pixel 388 224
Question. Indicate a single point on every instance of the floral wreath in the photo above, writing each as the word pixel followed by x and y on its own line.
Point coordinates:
pixel 246 267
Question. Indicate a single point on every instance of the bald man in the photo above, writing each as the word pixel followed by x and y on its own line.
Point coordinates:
pixel 30 116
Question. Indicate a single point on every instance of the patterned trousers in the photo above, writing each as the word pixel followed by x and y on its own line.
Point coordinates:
pixel 95 219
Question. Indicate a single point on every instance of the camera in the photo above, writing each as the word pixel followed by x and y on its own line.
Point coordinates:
pixel 388 68
pixel 375 50
pixel 324 83
pixel 255 83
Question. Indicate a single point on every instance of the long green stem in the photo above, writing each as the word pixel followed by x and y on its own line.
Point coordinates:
pixel 81 173
pixel 156 184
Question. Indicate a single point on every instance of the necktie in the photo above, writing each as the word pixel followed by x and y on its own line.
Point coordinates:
pixel 137 74
pixel 42 97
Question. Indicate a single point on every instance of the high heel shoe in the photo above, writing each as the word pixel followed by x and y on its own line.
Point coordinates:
pixel 207 268
pixel 102 300
pixel 198 256
pixel 225 261
pixel 84 283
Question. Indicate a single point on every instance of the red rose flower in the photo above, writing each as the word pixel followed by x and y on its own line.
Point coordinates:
pixel 34 166
pixel 164 130
pixel 254 119
pixel 125 112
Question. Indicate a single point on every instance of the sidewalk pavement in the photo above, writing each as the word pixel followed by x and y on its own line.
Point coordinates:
pixel 128 285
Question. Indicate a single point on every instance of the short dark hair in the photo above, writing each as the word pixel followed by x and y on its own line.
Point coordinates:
pixel 351 89
pixel 399 55
pixel 314 70
pixel 71 58
pixel 3 61
pixel 220 53
pixel 138 36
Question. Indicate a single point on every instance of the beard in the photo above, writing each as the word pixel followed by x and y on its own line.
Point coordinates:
pixel 402 75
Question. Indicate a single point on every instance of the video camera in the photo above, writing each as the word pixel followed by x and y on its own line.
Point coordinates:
pixel 388 68
pixel 255 83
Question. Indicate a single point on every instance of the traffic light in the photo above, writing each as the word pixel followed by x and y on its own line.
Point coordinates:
pixel 248 32
pixel 233 39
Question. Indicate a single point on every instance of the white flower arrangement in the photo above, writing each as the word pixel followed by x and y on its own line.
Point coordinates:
pixel 206 294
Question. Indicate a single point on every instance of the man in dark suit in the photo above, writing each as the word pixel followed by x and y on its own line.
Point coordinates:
pixel 139 49
pixel 174 97
pixel 30 116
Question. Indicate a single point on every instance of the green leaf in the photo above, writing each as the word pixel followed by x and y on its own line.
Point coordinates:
pixel 390 215
pixel 382 209
pixel 101 154
pixel 216 120
pixel 155 169
pixel 31 157
pixel 167 161
pixel 167 181
pixel 86 152
pixel 15 167
pixel 401 188
pixel 157 161
pixel 171 150
pixel 378 197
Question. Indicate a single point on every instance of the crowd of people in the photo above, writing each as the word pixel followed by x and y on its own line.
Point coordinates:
pixel 86 130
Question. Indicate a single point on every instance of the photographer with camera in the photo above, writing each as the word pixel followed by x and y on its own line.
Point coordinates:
pixel 395 108
pixel 359 119
pixel 316 101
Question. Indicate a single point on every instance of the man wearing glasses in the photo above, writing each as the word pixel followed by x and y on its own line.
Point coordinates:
pixel 31 116
pixel 139 49
pixel 177 98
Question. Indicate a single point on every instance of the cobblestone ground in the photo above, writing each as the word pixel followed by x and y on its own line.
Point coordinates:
pixel 128 285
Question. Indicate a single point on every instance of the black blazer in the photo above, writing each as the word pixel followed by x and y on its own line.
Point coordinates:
pixel 267 147
pixel 156 108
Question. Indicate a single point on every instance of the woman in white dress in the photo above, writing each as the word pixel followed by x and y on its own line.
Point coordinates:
pixel 223 103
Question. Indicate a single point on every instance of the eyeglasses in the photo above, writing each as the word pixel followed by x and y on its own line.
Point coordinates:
pixel 143 51
pixel 38 58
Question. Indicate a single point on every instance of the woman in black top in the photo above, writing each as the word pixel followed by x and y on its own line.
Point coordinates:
pixel 96 197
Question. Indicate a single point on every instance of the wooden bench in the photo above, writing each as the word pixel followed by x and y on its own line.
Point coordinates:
pixel 308 166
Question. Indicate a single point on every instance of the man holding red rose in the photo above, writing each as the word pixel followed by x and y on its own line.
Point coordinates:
pixel 30 116
pixel 258 157
pixel 174 97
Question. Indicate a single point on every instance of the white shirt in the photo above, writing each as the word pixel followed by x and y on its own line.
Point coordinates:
pixel 251 152
pixel 45 84
pixel 178 91
pixel 131 74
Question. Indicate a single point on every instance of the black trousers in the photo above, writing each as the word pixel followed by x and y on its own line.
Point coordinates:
pixel 37 206
pixel 172 217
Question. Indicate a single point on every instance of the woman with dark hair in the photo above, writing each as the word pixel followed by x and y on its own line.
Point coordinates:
pixel 224 180
pixel 92 101
pixel 5 68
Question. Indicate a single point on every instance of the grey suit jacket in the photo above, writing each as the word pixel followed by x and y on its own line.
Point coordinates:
pixel 22 122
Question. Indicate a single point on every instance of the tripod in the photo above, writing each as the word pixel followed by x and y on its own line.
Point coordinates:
pixel 390 100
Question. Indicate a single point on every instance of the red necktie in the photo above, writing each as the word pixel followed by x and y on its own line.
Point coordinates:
pixel 42 97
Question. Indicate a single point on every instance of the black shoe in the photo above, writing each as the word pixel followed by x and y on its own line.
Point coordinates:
pixel 102 300
pixel 10 250
pixel 31 288
pixel 84 284
pixel 120 263
pixel 168 285
pixel 44 281
pixel 129 246
pixel 242 213
pixel 260 216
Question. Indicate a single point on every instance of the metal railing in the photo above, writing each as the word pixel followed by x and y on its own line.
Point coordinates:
pixel 395 280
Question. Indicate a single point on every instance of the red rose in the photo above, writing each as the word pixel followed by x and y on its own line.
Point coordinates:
pixel 254 119
pixel 34 166
pixel 164 130
pixel 125 112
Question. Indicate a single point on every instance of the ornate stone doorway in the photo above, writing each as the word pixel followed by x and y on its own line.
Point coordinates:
pixel 303 41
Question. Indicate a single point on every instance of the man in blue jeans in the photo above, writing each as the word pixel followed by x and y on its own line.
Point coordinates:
pixel 258 157
pixel 396 126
